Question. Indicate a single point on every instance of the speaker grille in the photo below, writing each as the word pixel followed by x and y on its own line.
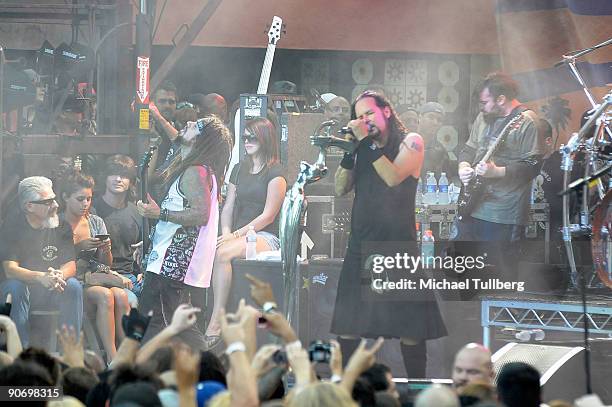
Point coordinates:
pixel 545 359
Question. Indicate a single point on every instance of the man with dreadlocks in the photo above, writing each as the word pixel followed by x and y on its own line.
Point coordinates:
pixel 384 171
pixel 183 240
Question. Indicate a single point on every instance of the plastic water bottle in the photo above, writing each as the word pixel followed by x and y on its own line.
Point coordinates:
pixel 431 189
pixel 251 244
pixel 428 246
pixel 443 196
pixel 419 193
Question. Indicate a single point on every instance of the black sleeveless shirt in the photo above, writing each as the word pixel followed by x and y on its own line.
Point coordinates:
pixel 381 212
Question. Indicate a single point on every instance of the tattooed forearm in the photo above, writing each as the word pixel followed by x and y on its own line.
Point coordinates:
pixel 343 181
pixel 194 184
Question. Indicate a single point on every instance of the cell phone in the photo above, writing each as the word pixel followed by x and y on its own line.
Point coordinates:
pixel 280 357
pixel 103 237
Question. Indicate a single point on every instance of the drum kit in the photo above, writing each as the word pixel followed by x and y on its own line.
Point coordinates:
pixel 592 144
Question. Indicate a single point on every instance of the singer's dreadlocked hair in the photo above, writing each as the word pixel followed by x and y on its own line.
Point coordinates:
pixel 397 130
pixel 212 149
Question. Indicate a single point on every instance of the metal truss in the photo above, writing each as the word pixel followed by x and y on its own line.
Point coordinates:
pixel 544 315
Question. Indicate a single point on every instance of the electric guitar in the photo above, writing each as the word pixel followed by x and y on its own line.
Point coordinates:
pixel 274 35
pixel 144 196
pixel 472 193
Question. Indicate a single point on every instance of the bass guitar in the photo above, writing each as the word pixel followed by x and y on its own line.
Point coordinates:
pixel 144 197
pixel 472 193
pixel 274 35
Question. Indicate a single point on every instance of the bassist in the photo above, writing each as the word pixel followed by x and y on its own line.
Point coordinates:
pixel 503 206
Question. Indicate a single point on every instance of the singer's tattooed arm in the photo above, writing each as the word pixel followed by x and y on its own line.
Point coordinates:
pixel 194 184
pixel 343 181
pixel 407 162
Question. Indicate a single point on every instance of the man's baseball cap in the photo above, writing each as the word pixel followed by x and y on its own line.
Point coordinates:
pixel 328 97
pixel 431 107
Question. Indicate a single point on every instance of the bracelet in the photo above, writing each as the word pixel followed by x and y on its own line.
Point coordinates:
pixel 295 344
pixel 335 378
pixel 163 215
pixel 235 347
pixel 269 306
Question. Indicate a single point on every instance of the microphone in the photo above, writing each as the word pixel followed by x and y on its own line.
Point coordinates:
pixel 346 130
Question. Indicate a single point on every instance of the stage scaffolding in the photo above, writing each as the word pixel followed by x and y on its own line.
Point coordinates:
pixel 552 314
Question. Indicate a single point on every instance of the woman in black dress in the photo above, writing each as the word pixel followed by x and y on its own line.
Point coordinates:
pixel 384 171
pixel 254 198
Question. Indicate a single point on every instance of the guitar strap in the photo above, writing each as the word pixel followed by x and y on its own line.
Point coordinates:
pixel 495 128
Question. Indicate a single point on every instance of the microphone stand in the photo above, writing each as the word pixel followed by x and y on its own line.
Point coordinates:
pixel 574 144
pixel 293 210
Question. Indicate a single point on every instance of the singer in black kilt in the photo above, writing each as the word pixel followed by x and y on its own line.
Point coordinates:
pixel 384 171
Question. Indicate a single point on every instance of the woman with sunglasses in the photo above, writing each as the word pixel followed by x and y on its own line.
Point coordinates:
pixel 254 198
pixel 94 254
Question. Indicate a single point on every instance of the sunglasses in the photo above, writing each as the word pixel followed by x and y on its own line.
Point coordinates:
pixel 47 202
pixel 249 138
pixel 184 105
pixel 168 101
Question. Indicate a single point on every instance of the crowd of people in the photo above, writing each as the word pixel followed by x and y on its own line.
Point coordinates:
pixel 74 247
pixel 164 371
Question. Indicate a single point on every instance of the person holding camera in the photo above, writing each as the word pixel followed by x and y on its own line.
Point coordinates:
pixel 93 249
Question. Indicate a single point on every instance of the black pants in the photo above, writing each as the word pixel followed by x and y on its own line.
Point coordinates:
pixel 162 296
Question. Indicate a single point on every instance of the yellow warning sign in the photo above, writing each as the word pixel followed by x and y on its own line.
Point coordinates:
pixel 143 121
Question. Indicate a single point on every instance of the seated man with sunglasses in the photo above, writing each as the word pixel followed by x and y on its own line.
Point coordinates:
pixel 38 259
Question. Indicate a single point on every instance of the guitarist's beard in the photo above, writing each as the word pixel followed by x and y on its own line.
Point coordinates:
pixel 493 115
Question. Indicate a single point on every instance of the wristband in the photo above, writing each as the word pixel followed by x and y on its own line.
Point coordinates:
pixel 373 152
pixel 295 344
pixel 163 215
pixel 348 161
pixel 335 378
pixel 235 347
pixel 269 306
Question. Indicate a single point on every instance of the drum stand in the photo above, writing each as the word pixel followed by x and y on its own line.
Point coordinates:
pixel 593 147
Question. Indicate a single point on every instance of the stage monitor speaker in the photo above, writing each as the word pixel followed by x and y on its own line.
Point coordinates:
pixel 561 370
pixel 321 281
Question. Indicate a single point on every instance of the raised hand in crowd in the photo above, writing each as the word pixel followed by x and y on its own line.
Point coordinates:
pixel 261 291
pixel 241 379
pixel 184 317
pixel 300 364
pixel 335 360
pixel 361 360
pixel 248 317
pixel 72 347
pixel 134 326
pixel 263 361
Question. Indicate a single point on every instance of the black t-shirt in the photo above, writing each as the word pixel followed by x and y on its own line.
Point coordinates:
pixel 37 249
pixel 124 227
pixel 251 193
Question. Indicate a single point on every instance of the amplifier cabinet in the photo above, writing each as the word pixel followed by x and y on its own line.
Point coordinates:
pixel 328 220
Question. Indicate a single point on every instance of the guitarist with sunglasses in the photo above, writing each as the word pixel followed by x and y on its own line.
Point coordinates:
pixel 500 159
